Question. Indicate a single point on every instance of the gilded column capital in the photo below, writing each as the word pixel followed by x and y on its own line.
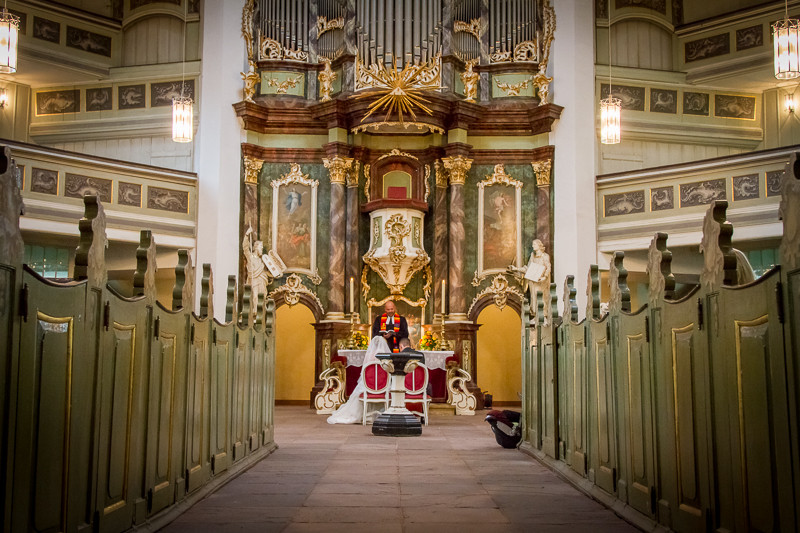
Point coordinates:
pixel 542 170
pixel 457 167
pixel 338 168
pixel 352 176
pixel 252 167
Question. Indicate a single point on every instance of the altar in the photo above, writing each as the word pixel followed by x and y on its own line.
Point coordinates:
pixel 436 361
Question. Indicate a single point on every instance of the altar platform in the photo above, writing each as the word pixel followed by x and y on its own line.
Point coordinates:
pixel 436 361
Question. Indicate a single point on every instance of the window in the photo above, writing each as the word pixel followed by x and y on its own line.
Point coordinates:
pixel 48 261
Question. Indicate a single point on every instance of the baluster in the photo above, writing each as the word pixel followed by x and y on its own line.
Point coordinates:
pixel 620 295
pixel 719 260
pixel 207 292
pixel 90 256
pixel 230 305
pixel 570 305
pixel 144 278
pixel 659 270
pixel 183 291
pixel 593 293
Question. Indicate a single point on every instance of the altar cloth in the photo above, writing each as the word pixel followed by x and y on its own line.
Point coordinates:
pixel 433 360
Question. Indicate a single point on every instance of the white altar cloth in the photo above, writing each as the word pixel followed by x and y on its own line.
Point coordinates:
pixel 432 359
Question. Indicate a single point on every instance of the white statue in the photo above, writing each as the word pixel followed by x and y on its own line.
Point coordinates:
pixel 258 277
pixel 535 275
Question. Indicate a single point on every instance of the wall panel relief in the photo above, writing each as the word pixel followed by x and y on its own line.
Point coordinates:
pixel 499 223
pixel 77 186
pixel 624 203
pixel 734 106
pixel 131 96
pixel 46 30
pixel 702 192
pixel 745 187
pixel 58 102
pixel 632 97
pixel 750 37
pixel 662 198
pixel 161 94
pixel 663 101
pixel 294 221
pixel 695 104
pixel 772 183
pixel 88 41
pixel 99 99
pixel 167 199
pixel 45 181
pixel 707 47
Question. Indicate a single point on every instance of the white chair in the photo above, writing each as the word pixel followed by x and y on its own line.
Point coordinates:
pixel 376 387
pixel 416 385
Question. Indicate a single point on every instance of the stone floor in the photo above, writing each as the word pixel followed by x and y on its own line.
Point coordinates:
pixel 342 478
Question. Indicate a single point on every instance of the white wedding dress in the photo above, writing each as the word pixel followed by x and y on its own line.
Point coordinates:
pixel 350 412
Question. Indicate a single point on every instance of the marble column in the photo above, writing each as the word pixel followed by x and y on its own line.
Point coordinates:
pixel 440 241
pixel 544 229
pixel 252 168
pixel 457 167
pixel 338 168
pixel 352 261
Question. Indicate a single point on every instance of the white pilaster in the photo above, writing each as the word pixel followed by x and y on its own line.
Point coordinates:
pixel 217 158
pixel 575 140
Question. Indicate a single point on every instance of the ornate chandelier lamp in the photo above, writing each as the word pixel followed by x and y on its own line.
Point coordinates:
pixel 610 109
pixel 786 40
pixel 182 112
pixel 9 33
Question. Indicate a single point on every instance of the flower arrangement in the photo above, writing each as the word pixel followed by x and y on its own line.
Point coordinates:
pixel 360 340
pixel 429 342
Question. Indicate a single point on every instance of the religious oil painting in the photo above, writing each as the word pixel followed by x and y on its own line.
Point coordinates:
pixel 167 199
pixel 77 186
pixel 707 47
pixel 88 41
pixel 58 102
pixel 745 187
pixel 732 106
pixel 161 94
pixel 294 221
pixel 696 104
pixel 773 183
pixel 624 203
pixel 499 222
pixel 655 5
pixel 632 98
pixel 46 30
pixel 662 198
pixel 131 97
pixel 663 101
pixel 750 37
pixel 98 99
pixel 129 194
pixel 702 192
pixel 44 181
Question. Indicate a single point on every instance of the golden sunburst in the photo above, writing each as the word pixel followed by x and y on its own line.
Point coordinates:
pixel 398 90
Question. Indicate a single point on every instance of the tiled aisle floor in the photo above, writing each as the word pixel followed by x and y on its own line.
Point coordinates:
pixel 342 478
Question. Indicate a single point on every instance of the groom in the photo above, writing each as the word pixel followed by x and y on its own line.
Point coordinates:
pixel 391 326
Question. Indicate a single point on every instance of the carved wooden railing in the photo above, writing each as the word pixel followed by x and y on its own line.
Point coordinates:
pixel 683 413
pixel 115 408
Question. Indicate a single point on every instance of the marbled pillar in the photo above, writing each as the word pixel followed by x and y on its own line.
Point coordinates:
pixel 252 168
pixel 352 262
pixel 544 232
pixel 457 166
pixel 440 242
pixel 338 167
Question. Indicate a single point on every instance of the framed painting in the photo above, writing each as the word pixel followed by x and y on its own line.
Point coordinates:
pixel 294 221
pixel 499 223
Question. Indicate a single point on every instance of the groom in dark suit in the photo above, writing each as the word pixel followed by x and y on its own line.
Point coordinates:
pixel 391 326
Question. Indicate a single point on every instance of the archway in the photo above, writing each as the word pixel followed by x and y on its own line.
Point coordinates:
pixel 294 354
pixel 498 356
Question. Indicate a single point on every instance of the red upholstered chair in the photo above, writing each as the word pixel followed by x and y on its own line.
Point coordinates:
pixel 416 385
pixel 376 387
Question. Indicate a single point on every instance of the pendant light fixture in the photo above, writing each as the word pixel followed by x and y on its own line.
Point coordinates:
pixel 786 39
pixel 182 113
pixel 9 35
pixel 610 108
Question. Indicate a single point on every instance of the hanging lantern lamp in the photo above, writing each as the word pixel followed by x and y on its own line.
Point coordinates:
pixel 610 122
pixel 9 34
pixel 786 40
pixel 182 119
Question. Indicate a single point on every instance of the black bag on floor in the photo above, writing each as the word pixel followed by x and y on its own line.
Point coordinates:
pixel 506 428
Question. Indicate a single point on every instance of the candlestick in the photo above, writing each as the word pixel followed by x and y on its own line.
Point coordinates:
pixel 351 294
pixel 443 297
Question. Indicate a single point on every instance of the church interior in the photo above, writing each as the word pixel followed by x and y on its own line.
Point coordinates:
pixel 584 211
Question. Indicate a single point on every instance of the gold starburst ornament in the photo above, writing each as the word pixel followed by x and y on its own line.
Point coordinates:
pixel 398 90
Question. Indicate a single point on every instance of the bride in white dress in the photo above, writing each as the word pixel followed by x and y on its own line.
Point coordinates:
pixel 350 411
